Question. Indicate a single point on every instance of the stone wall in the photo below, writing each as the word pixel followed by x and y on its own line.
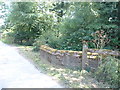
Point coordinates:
pixel 66 58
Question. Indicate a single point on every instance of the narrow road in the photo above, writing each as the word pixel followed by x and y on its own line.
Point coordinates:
pixel 17 72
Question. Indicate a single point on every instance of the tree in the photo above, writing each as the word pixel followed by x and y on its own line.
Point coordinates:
pixel 22 17
pixel 75 28
pixel 107 21
pixel 85 20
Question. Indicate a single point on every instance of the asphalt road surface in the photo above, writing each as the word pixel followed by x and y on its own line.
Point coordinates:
pixel 17 72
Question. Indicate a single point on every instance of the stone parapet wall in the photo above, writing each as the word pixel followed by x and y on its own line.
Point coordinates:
pixel 67 58
pixel 73 59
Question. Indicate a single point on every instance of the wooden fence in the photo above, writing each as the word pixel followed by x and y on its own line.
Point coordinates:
pixel 100 52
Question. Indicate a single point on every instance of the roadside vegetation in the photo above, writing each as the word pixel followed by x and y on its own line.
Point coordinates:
pixel 109 71
pixel 67 77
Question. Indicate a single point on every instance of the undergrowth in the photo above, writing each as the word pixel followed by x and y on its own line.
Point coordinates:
pixel 108 71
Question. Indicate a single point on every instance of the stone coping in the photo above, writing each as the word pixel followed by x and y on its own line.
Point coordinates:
pixel 67 52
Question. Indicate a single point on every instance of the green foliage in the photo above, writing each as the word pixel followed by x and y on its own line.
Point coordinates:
pixel 48 37
pixel 84 20
pixel 7 37
pixel 21 18
pixel 108 22
pixel 64 25
pixel 108 71
pixel 29 21
pixel 74 28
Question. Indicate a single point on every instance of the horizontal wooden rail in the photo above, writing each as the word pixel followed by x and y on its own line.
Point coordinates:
pixel 104 52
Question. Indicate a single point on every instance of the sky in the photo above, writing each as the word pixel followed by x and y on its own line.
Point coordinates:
pixel 1 19
pixel 1 22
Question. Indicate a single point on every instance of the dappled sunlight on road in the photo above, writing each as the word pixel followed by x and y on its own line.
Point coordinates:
pixel 17 72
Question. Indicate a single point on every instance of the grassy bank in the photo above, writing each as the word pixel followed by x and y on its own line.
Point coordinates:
pixel 67 77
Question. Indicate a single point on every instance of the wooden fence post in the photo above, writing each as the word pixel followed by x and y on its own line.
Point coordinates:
pixel 84 56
